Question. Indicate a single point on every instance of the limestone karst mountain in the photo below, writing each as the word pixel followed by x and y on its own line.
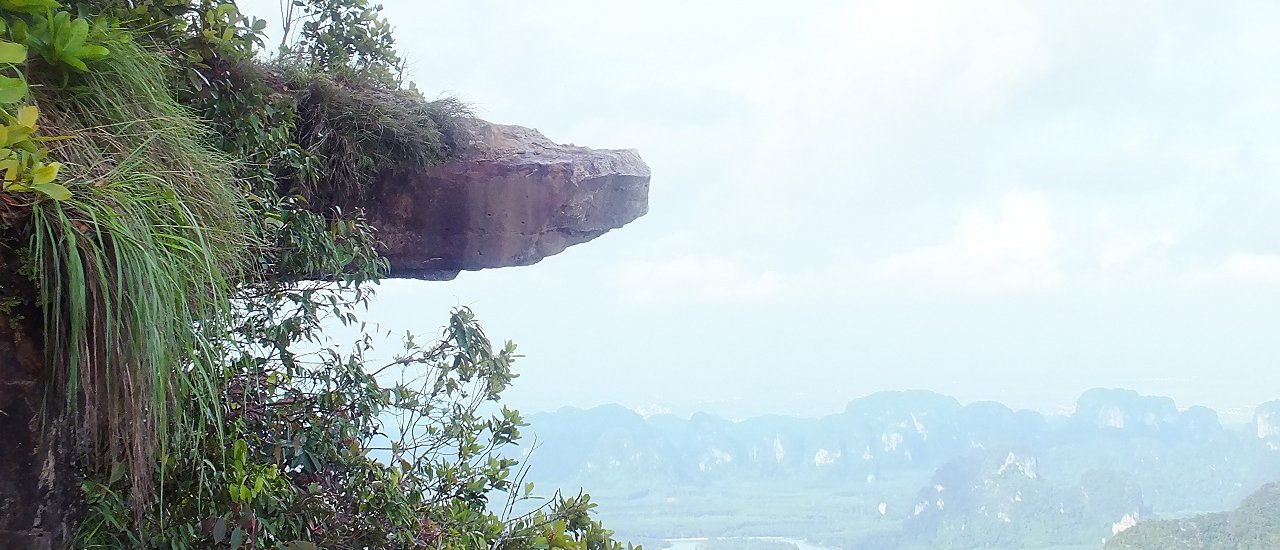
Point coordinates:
pixel 914 469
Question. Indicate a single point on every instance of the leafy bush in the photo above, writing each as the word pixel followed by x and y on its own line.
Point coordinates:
pixel 347 39
pixel 298 469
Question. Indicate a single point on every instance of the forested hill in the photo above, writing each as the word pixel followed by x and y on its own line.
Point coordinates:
pixel 1252 526
pixel 917 468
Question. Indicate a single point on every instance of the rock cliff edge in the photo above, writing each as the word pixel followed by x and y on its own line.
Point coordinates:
pixel 510 197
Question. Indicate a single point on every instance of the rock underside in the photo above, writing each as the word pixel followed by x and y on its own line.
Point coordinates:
pixel 511 197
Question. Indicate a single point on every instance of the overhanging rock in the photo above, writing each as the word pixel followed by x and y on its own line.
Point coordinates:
pixel 511 197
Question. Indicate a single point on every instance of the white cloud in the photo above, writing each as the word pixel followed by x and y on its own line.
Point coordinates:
pixel 1240 268
pixel 1006 249
pixel 1253 268
pixel 1011 249
pixel 697 278
pixel 961 58
pixel 1007 246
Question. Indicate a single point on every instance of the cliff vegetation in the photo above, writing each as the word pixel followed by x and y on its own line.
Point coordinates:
pixel 178 223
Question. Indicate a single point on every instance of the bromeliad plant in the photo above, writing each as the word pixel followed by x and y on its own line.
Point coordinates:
pixel 63 41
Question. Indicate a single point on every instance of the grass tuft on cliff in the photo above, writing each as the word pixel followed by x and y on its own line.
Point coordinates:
pixel 360 129
pixel 134 268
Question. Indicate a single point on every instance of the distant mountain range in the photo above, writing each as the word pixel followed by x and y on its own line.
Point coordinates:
pixel 914 469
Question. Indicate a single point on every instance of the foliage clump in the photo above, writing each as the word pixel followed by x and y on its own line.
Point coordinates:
pixel 189 245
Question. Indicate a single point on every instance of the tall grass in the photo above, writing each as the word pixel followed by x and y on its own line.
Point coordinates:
pixel 135 270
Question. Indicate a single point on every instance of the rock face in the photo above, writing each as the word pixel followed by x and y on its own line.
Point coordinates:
pixel 512 197
pixel 39 489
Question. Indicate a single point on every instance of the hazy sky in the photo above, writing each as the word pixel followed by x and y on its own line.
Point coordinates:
pixel 994 200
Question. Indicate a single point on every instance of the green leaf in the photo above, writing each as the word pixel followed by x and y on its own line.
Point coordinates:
pixel 27 116
pixel 52 190
pixel 20 33
pixel 70 35
pixel 93 52
pixel 46 173
pixel 237 538
pixel 220 530
pixel 75 63
pixel 12 52
pixel 36 7
pixel 14 134
pixel 10 167
pixel 12 90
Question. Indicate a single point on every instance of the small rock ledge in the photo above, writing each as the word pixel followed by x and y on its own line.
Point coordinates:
pixel 511 197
